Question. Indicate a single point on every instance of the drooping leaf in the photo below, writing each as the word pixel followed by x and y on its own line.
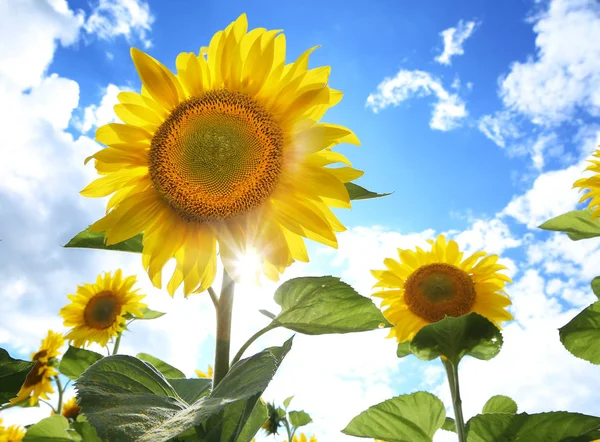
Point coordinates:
pixel 581 336
pixel 94 240
pixel 403 349
pixel 299 418
pixel 322 305
pixel 76 360
pixel 500 404
pixel 577 225
pixel 52 429
pixel 167 370
pixel 449 425
pixel 287 401
pixel 12 375
pixel 357 192
pixel 454 338
pixel 557 426
pixel 149 314
pixel 596 286
pixel 190 390
pixel 407 418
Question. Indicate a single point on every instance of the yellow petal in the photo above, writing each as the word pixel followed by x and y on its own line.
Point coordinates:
pixel 113 133
pixel 160 83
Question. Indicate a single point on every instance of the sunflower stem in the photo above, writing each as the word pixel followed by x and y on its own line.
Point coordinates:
pixel 117 343
pixel 59 387
pixel 452 373
pixel 253 338
pixel 289 432
pixel 224 312
pixel 213 297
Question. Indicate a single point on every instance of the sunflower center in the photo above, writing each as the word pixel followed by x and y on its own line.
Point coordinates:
pixel 438 290
pixel 216 156
pixel 102 310
pixel 35 375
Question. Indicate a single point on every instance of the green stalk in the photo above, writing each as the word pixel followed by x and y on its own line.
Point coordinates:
pixel 224 313
pixel 253 338
pixel 60 395
pixel 452 373
pixel 117 343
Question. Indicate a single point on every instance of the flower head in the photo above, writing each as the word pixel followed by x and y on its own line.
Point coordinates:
pixel 70 409
pixel 207 375
pixel 425 286
pixel 38 382
pixel 12 433
pixel 97 312
pixel 592 185
pixel 225 157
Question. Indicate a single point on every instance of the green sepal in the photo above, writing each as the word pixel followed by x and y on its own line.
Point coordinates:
pixel 408 418
pixel 95 240
pixel 357 192
pixel 403 349
pixel 148 314
pixel 581 336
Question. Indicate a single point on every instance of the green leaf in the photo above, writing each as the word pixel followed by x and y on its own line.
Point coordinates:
pixel 299 418
pixel 403 349
pixel 407 418
pixel 357 192
pixel 449 425
pixel 268 314
pixel 167 370
pixel 149 314
pixel 500 404
pixel 76 360
pixel 86 431
pixel 52 429
pixel 596 286
pixel 321 305
pixel 454 338
pixel 557 426
pixel 581 336
pixel 248 375
pixel 287 401
pixel 12 375
pixel 190 390
pixel 258 417
pixel 95 240
pixel 576 224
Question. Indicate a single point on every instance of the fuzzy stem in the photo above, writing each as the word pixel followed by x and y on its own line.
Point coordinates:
pixel 224 313
pixel 452 372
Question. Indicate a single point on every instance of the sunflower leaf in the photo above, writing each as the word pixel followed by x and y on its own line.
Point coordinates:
pixel 580 336
pixel 94 240
pixel 76 360
pixel 287 401
pixel 51 429
pixel 557 426
pixel 500 404
pixel 167 370
pixel 149 314
pixel 12 375
pixel 596 286
pixel 449 425
pixel 299 418
pixel 577 225
pixel 410 417
pixel 454 338
pixel 254 423
pixel 322 305
pixel 357 192
pixel 191 390
pixel 403 349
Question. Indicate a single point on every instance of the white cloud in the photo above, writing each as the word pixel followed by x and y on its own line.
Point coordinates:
pixel 564 75
pixel 499 127
pixel 128 18
pixel 454 39
pixel 98 115
pixel 448 111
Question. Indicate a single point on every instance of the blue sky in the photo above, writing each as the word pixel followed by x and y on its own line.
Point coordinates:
pixel 477 115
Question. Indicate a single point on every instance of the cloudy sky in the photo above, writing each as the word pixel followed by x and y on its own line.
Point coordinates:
pixel 477 115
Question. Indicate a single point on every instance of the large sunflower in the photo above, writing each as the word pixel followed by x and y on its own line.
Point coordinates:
pixel 592 185
pixel 97 312
pixel 38 382
pixel 426 286
pixel 226 154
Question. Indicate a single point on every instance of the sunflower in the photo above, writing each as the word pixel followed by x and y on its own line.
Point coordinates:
pixel 207 375
pixel 426 286
pixel 97 312
pixel 226 155
pixel 592 185
pixel 12 433
pixel 303 438
pixel 70 409
pixel 38 381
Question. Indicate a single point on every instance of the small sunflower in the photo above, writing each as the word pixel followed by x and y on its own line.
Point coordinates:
pixel 426 286
pixel 592 185
pixel 97 312
pixel 70 409
pixel 275 418
pixel 303 438
pixel 12 433
pixel 38 382
pixel 225 157
pixel 207 375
